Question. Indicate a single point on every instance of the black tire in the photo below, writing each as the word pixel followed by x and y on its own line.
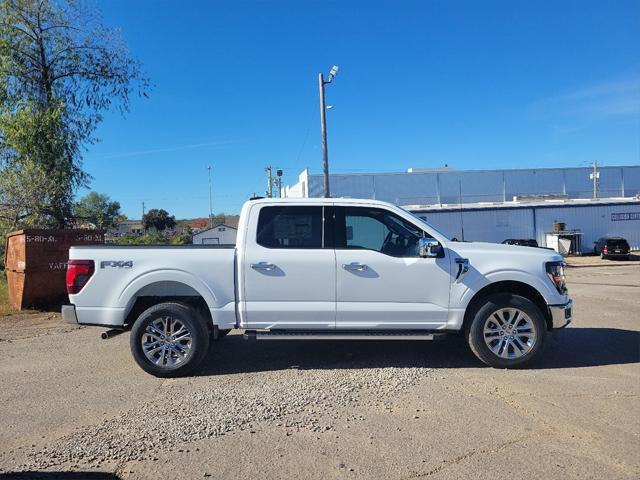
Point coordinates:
pixel 485 313
pixel 602 257
pixel 194 324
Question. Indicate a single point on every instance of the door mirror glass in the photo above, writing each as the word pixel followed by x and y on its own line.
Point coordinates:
pixel 429 248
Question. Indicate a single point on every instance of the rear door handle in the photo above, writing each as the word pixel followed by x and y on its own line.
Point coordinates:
pixel 263 266
pixel 355 267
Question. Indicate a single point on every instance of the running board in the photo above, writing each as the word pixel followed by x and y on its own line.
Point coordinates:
pixel 350 335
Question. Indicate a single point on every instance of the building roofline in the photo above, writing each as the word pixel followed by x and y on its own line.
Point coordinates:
pixel 216 226
pixel 565 203
pixel 454 171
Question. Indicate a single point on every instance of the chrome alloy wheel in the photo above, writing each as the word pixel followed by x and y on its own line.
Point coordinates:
pixel 509 333
pixel 166 342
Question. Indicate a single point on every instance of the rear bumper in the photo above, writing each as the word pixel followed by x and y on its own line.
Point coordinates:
pixel 561 315
pixel 69 314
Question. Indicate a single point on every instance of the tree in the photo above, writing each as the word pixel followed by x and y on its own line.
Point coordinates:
pixel 98 209
pixel 218 219
pixel 158 219
pixel 184 236
pixel 60 69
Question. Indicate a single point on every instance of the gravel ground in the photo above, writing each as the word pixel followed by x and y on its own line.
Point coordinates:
pixel 77 405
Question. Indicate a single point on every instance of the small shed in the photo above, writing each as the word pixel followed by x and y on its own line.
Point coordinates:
pixel 567 242
pixel 221 234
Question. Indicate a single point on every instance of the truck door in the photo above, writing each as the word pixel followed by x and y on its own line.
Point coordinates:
pixel 288 276
pixel 382 282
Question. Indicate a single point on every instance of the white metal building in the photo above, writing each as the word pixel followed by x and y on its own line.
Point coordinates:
pixel 493 205
pixel 447 185
pixel 495 223
pixel 222 234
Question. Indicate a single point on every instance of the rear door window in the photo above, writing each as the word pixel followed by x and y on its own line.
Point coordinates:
pixel 290 227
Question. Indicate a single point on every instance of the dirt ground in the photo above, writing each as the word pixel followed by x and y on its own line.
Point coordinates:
pixel 75 406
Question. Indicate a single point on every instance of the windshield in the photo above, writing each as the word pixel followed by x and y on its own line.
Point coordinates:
pixel 429 227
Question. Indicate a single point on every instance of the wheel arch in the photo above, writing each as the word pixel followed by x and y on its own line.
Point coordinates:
pixel 166 291
pixel 507 286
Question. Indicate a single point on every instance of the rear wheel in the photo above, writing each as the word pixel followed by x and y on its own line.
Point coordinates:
pixel 507 331
pixel 169 340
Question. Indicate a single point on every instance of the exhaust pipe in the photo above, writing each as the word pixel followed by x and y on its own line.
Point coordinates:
pixel 111 333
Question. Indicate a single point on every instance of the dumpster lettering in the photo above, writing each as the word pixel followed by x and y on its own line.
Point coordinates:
pixel 40 238
pixel 57 265
pixel 92 238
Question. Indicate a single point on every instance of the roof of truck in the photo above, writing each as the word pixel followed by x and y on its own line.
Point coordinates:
pixel 340 200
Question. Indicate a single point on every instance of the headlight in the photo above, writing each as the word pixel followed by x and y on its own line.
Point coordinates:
pixel 555 272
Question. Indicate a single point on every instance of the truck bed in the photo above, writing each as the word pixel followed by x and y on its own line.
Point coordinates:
pixel 125 272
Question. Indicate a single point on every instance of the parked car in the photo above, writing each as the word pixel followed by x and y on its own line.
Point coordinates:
pixel 523 242
pixel 612 247
pixel 320 269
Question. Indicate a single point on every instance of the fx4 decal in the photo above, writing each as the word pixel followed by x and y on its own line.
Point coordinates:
pixel 116 264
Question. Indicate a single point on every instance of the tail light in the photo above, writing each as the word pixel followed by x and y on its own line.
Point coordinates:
pixel 78 274
pixel 605 249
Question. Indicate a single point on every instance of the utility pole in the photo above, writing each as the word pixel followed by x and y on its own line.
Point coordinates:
pixel 595 176
pixel 460 205
pixel 143 209
pixel 269 181
pixel 323 127
pixel 210 200
pixel 142 218
pixel 278 182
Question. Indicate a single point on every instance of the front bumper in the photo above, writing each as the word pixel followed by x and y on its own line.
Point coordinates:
pixel 561 315
pixel 69 314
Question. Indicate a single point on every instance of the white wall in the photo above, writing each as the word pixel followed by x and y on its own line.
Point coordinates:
pixel 594 222
pixel 484 225
pixel 498 224
pixel 220 235
pixel 300 189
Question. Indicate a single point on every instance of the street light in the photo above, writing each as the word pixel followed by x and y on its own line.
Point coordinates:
pixel 323 126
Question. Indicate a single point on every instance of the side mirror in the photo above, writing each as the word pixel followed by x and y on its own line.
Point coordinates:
pixel 429 248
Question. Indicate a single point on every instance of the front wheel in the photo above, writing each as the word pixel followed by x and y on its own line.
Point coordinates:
pixel 507 331
pixel 169 340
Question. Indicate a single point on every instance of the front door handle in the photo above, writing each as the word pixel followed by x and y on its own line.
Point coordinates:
pixel 355 267
pixel 263 266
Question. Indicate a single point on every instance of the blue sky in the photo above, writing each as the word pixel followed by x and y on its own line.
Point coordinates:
pixel 471 84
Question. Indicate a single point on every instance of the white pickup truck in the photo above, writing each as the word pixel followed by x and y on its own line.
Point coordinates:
pixel 320 269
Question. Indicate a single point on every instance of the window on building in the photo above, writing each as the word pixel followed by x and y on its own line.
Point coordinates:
pixel 290 227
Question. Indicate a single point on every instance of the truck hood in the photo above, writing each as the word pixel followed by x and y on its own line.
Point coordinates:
pixel 504 253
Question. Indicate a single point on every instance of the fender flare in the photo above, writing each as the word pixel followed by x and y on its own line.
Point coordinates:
pixel 519 276
pixel 128 295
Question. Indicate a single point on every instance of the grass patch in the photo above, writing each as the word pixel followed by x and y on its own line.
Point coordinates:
pixel 5 307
